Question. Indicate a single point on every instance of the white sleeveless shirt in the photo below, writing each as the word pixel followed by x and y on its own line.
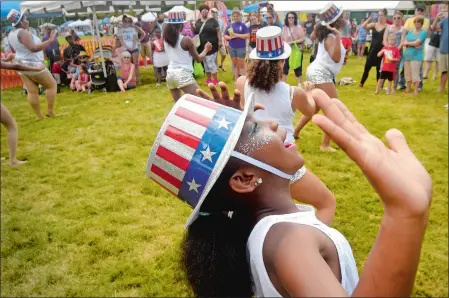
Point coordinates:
pixel 278 106
pixel 324 59
pixel 306 216
pixel 22 53
pixel 177 57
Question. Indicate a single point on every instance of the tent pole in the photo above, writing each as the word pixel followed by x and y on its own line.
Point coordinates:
pixel 97 32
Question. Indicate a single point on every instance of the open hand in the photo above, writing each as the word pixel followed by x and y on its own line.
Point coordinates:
pixel 224 98
pixel 333 30
pixel 396 174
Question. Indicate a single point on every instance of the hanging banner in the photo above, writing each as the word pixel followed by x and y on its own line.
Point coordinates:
pixel 223 12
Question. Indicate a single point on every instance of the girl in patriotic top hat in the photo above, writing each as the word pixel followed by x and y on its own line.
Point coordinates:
pixel 281 101
pixel 246 237
pixel 180 50
pixel 328 62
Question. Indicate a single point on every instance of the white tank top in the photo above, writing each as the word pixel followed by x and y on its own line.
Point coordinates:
pixel 306 216
pixel 278 106
pixel 324 59
pixel 22 53
pixel 177 57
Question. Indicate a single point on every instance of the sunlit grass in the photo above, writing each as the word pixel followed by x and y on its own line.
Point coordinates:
pixel 82 219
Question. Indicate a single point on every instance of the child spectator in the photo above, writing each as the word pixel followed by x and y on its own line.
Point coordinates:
pixel 83 83
pixel 391 57
pixel 160 57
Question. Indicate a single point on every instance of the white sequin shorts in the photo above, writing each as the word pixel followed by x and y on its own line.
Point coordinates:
pixel 319 75
pixel 179 78
pixel 298 175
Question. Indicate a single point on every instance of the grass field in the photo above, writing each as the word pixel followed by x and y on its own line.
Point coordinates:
pixel 82 219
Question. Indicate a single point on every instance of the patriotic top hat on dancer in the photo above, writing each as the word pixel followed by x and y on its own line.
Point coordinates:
pixel 330 13
pixel 269 45
pixel 14 17
pixel 193 146
pixel 176 17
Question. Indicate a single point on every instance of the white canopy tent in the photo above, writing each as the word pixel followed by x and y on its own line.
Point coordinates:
pixel 316 6
pixel 148 17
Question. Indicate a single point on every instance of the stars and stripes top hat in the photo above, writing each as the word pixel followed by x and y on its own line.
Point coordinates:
pixel 192 147
pixel 269 45
pixel 330 13
pixel 14 17
pixel 176 17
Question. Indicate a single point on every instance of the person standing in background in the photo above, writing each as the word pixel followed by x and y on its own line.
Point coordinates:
pixel 395 29
pixel 270 11
pixel 52 51
pixel 432 52
pixel 145 44
pixel 293 33
pixel 345 34
pixel 209 31
pixel 237 33
pixel 360 34
pixel 442 22
pixel 378 27
pixel 253 28
pixel 409 25
pixel 222 48
pixel 309 24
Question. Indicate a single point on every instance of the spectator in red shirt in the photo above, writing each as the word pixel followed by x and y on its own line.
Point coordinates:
pixel 391 56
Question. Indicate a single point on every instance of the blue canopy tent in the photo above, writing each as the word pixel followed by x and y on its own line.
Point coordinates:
pixel 229 12
pixel 6 6
pixel 251 8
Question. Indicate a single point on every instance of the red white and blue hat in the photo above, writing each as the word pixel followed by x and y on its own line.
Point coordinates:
pixel 176 17
pixel 330 13
pixel 14 17
pixel 269 45
pixel 193 146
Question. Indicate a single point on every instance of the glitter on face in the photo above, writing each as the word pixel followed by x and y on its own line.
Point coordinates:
pixel 255 143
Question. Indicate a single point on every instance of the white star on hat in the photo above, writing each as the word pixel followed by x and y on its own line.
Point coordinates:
pixel 193 185
pixel 223 123
pixel 270 55
pixel 279 51
pixel 207 154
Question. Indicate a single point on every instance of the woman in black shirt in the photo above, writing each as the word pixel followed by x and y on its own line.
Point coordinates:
pixel 432 53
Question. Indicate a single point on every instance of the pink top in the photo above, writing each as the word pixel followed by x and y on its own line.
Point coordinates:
pixel 290 34
pixel 84 78
pixel 125 68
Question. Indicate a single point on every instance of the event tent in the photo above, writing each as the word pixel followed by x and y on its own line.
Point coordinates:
pixel 316 6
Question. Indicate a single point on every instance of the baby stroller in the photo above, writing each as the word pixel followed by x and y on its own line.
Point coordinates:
pixel 99 81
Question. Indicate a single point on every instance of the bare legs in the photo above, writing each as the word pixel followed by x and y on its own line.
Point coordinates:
pixel 331 91
pixel 443 81
pixel 190 89
pixel 427 68
pixel 239 67
pixel 48 82
pixel 360 50
pixel 10 124
pixel 135 59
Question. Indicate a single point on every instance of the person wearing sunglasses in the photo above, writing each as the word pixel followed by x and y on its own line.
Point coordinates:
pixel 409 25
pixel 127 78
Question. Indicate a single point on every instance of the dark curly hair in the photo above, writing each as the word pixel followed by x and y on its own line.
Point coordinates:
pixel 264 74
pixel 214 254
pixel 286 18
pixel 322 31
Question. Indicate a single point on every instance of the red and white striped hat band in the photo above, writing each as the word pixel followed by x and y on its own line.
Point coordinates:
pixel 194 144
pixel 176 17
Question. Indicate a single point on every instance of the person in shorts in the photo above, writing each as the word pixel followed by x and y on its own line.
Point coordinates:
pixel 237 33
pixel 222 49
pixel 391 57
pixel 361 39
pixel 209 31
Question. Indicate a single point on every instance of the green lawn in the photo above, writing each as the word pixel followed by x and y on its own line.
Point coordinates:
pixel 82 219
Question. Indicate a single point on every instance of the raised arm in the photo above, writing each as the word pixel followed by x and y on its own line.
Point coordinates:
pixel 26 39
pixel 332 45
pixel 368 25
pixel 187 44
